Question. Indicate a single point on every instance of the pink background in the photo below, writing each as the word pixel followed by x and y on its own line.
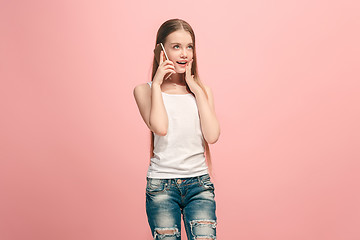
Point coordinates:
pixel 74 149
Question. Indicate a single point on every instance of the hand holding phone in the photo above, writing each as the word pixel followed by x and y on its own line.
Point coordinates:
pixel 157 52
pixel 159 58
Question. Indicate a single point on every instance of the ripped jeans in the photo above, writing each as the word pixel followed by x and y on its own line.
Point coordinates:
pixel 167 199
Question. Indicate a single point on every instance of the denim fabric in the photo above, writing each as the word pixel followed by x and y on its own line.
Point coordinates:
pixel 167 199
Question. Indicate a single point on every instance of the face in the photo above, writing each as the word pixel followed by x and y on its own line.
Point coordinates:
pixel 179 48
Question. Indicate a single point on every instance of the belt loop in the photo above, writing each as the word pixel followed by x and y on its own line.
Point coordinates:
pixel 198 177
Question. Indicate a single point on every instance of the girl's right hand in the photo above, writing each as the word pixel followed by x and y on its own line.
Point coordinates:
pixel 165 67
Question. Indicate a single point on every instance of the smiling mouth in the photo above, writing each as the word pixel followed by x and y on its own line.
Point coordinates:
pixel 182 63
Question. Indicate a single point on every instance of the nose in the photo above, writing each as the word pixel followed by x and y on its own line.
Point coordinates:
pixel 183 53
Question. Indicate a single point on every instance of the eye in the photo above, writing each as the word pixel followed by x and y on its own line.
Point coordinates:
pixel 176 46
pixel 190 46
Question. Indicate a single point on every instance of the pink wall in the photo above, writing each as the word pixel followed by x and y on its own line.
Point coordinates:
pixel 74 149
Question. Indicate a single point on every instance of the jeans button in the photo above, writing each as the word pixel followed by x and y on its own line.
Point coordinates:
pixel 179 181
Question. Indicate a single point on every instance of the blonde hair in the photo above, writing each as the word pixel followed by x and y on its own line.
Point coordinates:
pixel 165 29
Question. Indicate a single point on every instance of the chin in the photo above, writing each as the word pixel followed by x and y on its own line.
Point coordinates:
pixel 180 71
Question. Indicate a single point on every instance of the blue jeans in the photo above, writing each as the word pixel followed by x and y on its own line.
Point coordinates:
pixel 167 199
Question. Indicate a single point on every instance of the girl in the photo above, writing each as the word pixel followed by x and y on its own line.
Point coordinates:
pixel 179 111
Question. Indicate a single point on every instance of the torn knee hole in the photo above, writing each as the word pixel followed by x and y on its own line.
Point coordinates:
pixel 168 231
pixel 205 222
pixel 163 232
pixel 203 229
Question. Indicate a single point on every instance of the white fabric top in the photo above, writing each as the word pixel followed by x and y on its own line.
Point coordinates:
pixel 180 153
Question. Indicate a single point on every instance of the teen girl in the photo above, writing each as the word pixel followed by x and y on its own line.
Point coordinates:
pixel 179 111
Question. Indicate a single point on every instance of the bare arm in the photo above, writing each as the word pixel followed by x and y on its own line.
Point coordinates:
pixel 158 115
pixel 151 107
pixel 150 102
pixel 209 123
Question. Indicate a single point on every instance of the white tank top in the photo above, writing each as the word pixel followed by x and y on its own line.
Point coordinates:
pixel 180 153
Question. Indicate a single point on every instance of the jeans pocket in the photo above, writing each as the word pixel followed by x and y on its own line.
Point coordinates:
pixel 207 184
pixel 155 186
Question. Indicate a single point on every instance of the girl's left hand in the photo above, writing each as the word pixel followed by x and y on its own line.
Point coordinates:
pixel 194 87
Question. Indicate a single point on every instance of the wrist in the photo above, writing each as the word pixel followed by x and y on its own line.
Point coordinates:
pixel 156 84
pixel 198 91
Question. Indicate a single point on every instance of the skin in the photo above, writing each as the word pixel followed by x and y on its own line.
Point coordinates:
pixel 179 47
pixel 150 101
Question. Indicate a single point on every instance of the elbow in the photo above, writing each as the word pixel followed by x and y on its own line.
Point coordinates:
pixel 213 138
pixel 212 141
pixel 157 131
pixel 158 128
pixel 161 133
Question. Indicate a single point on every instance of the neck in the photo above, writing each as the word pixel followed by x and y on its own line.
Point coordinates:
pixel 177 78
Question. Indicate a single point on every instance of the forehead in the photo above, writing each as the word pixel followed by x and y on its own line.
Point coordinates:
pixel 179 36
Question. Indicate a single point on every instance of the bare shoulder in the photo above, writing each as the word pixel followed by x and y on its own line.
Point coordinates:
pixel 142 87
pixel 142 95
pixel 141 90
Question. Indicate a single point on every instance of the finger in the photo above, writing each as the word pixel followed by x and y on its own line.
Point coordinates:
pixel 190 64
pixel 161 57
pixel 169 67
pixel 188 67
pixel 172 71
pixel 169 62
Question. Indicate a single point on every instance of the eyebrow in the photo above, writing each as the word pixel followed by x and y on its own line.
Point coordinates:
pixel 180 43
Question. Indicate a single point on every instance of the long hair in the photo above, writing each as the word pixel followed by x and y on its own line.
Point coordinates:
pixel 165 29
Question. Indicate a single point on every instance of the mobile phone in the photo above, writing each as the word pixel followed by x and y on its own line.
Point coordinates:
pixel 157 52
